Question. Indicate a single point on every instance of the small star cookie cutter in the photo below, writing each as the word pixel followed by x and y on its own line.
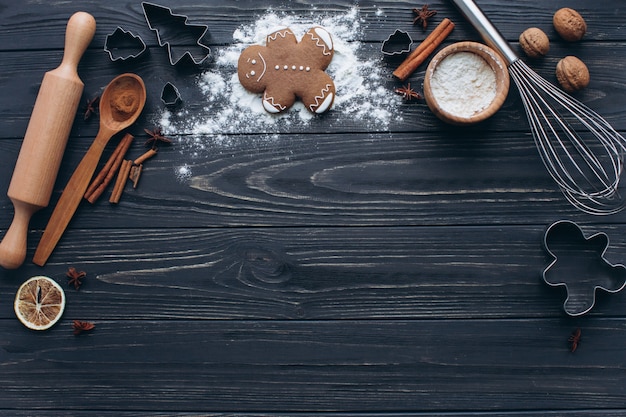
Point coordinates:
pixel 168 25
pixel 580 266
pixel 398 43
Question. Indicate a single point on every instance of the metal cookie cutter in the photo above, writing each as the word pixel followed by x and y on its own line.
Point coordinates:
pixel 169 26
pixel 123 40
pixel 399 42
pixel 170 96
pixel 579 265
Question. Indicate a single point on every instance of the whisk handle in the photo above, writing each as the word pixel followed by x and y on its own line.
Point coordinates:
pixel 487 30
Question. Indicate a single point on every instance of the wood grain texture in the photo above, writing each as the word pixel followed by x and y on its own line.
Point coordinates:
pixel 605 93
pixel 563 413
pixel 382 17
pixel 292 366
pixel 355 180
pixel 599 49
pixel 313 273
pixel 334 269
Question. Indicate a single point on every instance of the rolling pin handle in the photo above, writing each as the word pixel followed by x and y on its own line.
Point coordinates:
pixel 13 245
pixel 80 30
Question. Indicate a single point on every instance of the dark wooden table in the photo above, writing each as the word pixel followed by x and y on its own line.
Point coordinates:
pixel 337 269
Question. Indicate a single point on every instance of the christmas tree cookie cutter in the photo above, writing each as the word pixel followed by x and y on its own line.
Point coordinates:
pixel 123 41
pixel 170 96
pixel 398 43
pixel 171 27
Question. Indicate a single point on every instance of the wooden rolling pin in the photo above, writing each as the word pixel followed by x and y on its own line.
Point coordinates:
pixel 45 139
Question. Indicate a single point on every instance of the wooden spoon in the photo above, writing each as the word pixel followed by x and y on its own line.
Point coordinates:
pixel 120 105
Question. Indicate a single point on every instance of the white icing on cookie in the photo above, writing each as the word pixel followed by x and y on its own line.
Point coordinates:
pixel 264 67
pixel 252 73
pixel 323 33
pixel 326 100
pixel 282 33
pixel 322 39
pixel 270 106
pixel 325 104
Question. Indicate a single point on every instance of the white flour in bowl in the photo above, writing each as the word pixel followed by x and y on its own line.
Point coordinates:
pixel 463 84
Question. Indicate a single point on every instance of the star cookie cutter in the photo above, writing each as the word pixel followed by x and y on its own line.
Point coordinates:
pixel 398 43
pixel 169 26
pixel 579 265
pixel 123 41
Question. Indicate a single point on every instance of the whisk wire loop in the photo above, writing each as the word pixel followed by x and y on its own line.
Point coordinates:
pixel 587 167
pixel 534 105
pixel 561 121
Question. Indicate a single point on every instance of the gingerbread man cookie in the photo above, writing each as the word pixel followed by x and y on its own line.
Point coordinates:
pixel 286 69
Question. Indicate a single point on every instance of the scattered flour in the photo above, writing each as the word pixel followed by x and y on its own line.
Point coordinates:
pixel 183 172
pixel 228 109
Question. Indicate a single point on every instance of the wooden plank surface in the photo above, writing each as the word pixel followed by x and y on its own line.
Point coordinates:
pixel 338 180
pixel 297 366
pixel 312 273
pixel 331 268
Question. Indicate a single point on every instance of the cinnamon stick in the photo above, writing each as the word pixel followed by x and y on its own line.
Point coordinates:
pixel 149 154
pixel 135 173
pixel 105 176
pixel 424 49
pixel 120 182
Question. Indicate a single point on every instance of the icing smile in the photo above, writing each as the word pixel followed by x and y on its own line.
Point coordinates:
pixel 253 73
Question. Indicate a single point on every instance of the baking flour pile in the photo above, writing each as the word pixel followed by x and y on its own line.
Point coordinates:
pixel 463 84
pixel 229 109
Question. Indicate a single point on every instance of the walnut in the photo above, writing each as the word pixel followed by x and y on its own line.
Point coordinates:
pixel 569 24
pixel 534 42
pixel 572 74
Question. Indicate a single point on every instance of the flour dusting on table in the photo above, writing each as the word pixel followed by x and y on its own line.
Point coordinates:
pixel 229 109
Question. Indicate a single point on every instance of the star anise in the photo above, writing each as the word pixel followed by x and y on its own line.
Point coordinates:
pixel 574 340
pixel 408 93
pixel 91 107
pixel 422 15
pixel 75 277
pixel 82 326
pixel 156 136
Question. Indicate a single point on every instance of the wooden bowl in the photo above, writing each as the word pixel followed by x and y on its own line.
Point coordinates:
pixel 468 115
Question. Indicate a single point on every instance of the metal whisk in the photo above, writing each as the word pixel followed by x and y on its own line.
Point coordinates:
pixel 580 150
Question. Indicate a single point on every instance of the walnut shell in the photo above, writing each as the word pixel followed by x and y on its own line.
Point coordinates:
pixel 572 74
pixel 534 42
pixel 569 24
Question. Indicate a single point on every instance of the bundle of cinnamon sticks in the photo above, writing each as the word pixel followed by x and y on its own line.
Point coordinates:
pixel 125 170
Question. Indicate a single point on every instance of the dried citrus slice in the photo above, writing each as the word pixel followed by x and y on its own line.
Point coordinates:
pixel 39 303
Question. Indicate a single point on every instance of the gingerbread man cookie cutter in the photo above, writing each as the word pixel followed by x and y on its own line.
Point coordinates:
pixel 285 70
pixel 579 265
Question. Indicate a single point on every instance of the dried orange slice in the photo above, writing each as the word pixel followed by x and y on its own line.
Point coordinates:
pixel 39 303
